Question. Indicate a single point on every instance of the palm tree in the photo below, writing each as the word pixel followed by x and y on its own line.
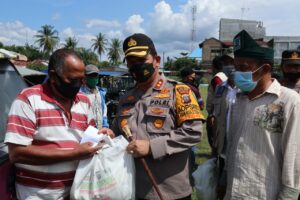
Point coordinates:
pixel 47 38
pixel 71 43
pixel 88 56
pixel 99 44
pixel 115 51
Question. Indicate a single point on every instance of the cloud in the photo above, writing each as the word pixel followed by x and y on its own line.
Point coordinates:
pixel 16 33
pixel 68 32
pixel 133 24
pixel 92 23
pixel 170 27
pixel 56 17
pixel 114 34
pixel 85 40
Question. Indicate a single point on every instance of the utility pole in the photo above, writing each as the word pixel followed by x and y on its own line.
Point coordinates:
pixel 193 36
pixel 163 68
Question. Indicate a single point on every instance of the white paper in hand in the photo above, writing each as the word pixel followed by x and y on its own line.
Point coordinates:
pixel 91 135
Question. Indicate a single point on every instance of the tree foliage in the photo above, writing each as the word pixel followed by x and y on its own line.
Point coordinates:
pixel 99 44
pixel 37 66
pixel 115 52
pixel 180 63
pixel 103 64
pixel 70 43
pixel 47 39
pixel 31 52
pixel 88 56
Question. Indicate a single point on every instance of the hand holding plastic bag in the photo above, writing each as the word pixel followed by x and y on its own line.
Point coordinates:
pixel 110 174
pixel 205 178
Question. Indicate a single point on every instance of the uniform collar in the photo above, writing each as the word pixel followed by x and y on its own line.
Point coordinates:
pixel 274 88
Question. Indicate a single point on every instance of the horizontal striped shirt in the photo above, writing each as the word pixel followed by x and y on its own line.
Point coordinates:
pixel 36 118
pixel 263 156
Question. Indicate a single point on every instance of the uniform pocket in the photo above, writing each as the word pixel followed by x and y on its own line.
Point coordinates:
pixel 158 120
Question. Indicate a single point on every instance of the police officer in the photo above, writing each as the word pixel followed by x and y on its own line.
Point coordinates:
pixel 188 77
pixel 165 120
pixel 290 66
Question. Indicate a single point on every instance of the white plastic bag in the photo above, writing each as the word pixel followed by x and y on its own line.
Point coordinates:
pixel 110 174
pixel 205 178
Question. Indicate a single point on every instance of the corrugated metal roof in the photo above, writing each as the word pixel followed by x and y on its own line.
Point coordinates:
pixel 29 72
pixel 7 54
pixel 11 55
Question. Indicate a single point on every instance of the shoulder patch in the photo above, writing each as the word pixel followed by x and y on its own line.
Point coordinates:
pixel 186 105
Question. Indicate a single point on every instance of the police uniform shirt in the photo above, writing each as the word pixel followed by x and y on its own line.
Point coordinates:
pixel 169 117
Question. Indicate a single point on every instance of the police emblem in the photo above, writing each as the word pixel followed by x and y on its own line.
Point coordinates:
pixel 186 99
pixel 295 55
pixel 131 42
pixel 158 123
pixel 183 90
pixel 157 111
pixel 165 91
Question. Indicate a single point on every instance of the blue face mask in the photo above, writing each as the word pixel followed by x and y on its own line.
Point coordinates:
pixel 244 80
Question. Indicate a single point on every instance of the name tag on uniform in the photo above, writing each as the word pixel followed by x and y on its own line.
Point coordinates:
pixel 159 102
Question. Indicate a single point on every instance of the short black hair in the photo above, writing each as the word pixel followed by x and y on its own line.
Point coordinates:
pixel 186 71
pixel 57 59
pixel 217 63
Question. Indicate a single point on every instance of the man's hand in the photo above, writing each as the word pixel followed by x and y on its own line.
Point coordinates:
pixel 85 150
pixel 107 131
pixel 211 121
pixel 139 148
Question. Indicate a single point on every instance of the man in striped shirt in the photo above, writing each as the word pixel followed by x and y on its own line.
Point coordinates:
pixel 263 149
pixel 44 129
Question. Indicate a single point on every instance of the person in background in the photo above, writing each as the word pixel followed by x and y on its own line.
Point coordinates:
pixel 188 77
pixel 96 95
pixel 290 66
pixel 165 121
pixel 223 99
pixel 218 78
pixel 263 149
pixel 44 129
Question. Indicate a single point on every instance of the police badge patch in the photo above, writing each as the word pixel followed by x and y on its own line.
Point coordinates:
pixel 186 99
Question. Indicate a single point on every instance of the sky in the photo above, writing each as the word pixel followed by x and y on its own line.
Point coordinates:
pixel 167 22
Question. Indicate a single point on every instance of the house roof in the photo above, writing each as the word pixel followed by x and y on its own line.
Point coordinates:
pixel 212 38
pixel 224 43
pixel 29 72
pixel 12 55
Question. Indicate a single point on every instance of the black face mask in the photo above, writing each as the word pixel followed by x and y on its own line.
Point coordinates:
pixel 292 76
pixel 142 72
pixel 68 90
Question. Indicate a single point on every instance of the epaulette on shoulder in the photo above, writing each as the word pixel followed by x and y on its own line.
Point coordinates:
pixel 174 82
